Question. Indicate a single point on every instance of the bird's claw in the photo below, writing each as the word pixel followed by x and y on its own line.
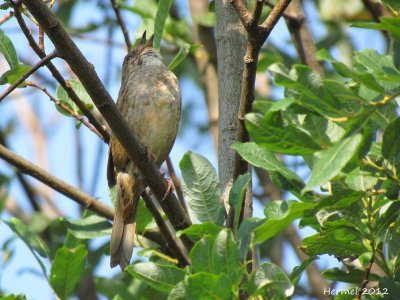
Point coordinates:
pixel 170 189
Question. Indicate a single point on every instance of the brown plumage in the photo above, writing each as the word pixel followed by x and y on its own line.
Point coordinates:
pixel 150 100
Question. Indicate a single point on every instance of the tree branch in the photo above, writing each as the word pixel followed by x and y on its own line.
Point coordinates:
pixel 45 60
pixel 168 233
pixel 90 80
pixel 102 128
pixel 66 108
pixel 256 37
pixel 301 37
pixel 231 47
pixel 177 184
pixel 121 24
pixel 275 15
pixel 57 184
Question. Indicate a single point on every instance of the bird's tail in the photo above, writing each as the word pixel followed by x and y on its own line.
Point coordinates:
pixel 124 227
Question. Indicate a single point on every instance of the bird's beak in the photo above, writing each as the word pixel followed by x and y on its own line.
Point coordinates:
pixel 150 41
pixel 143 39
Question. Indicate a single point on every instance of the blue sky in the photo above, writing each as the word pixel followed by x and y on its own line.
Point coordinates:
pixel 18 276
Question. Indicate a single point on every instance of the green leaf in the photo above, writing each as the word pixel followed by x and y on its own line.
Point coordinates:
pixel 388 215
pixel 297 271
pixel 236 196
pixel 328 163
pixel 67 269
pixel 364 78
pixel 62 95
pixel 8 50
pixel 351 276
pixel 209 286
pixel 339 242
pixel 268 132
pixel 245 235
pixel 391 142
pixel 111 287
pixel 144 219
pixel 263 158
pixel 197 231
pixel 280 214
pixel 271 279
pixel 89 227
pixel 339 200
pixel 305 86
pixel 179 291
pixel 144 8
pixel 390 286
pixel 380 66
pixel 31 239
pixel 161 17
pixel 160 277
pixel 14 297
pixel 217 254
pixel 361 180
pixel 389 24
pixel 384 115
pixel 201 187
pixel 14 74
pixel 182 54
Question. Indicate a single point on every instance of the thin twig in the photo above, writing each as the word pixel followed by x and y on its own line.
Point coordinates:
pixel 6 17
pixel 33 69
pixel 302 38
pixel 41 39
pixel 366 276
pixel 57 184
pixel 275 15
pixel 168 233
pixel 60 104
pixel 121 24
pixel 102 128
pixel 177 184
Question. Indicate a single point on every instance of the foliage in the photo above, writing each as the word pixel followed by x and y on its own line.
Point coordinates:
pixel 342 128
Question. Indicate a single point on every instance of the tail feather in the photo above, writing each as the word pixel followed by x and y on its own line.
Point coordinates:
pixel 124 227
pixel 123 253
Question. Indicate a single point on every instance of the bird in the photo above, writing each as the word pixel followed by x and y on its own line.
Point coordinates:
pixel 150 100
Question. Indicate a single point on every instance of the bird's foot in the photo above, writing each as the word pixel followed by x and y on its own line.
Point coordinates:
pixel 170 189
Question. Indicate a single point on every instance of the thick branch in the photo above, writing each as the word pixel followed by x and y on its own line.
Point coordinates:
pixel 231 47
pixel 256 37
pixel 245 16
pixel 45 60
pixel 55 183
pixel 103 101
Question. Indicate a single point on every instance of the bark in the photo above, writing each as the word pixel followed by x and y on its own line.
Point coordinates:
pixel 231 48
